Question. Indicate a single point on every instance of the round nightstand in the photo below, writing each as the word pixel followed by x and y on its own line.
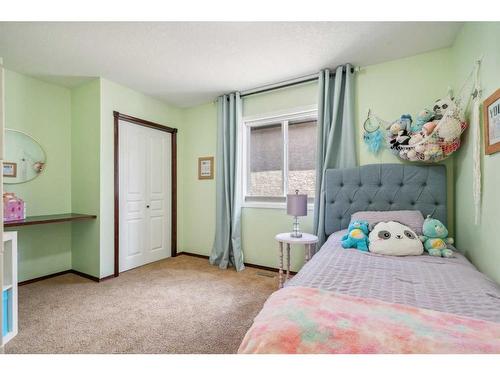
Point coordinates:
pixel 308 240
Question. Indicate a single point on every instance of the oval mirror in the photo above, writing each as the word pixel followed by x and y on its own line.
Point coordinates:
pixel 25 159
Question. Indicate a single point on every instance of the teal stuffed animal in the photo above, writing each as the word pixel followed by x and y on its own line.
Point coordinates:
pixel 436 238
pixel 357 237
pixel 423 117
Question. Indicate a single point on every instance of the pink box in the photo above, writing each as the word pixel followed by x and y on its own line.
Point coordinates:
pixel 14 208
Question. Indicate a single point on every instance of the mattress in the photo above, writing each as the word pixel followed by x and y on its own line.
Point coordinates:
pixel 451 285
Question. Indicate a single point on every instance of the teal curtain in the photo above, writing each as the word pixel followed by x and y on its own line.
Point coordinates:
pixel 227 250
pixel 336 145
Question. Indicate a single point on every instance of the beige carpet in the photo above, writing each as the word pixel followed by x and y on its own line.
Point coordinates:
pixel 179 305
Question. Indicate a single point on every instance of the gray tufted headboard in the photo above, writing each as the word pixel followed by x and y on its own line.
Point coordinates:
pixel 383 187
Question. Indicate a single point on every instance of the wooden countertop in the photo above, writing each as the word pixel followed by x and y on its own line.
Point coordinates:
pixel 48 219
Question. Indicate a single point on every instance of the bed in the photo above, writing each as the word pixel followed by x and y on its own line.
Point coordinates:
pixel 347 301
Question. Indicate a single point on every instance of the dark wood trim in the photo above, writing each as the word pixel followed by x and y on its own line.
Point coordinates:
pixel 85 275
pixel 48 219
pixel 146 123
pixel 107 278
pixel 116 270
pixel 78 273
pixel 251 265
pixel 193 255
pixel 174 195
pixel 36 279
pixel 266 268
pixel 137 121
pixel 96 279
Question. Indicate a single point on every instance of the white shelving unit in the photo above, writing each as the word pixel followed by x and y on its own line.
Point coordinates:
pixel 9 284
pixel 2 120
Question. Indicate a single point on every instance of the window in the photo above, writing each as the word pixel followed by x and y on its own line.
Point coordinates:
pixel 279 157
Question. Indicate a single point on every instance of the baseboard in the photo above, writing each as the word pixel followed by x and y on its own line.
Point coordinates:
pixel 98 280
pixel 258 266
pixel 30 281
pixel 107 278
pixel 75 272
pixel 86 275
pixel 193 254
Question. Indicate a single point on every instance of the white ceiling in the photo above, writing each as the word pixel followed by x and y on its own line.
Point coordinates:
pixel 188 63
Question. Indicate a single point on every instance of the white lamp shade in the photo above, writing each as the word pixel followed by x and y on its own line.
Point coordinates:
pixel 296 204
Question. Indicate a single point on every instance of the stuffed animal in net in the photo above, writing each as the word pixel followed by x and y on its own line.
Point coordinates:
pixel 412 153
pixel 436 238
pixel 441 106
pixel 428 128
pixel 402 139
pixel 357 236
pixel 399 134
pixel 433 151
pixel 403 123
pixel 450 126
pixel 423 117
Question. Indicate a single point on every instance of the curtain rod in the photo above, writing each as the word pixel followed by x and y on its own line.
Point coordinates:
pixel 287 83
pixel 280 85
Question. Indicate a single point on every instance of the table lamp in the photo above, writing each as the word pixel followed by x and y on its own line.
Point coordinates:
pixel 296 205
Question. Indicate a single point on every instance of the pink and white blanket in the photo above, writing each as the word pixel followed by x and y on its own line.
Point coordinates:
pixel 310 320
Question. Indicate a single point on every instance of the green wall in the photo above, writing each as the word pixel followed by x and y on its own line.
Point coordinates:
pixel 198 220
pixel 115 97
pixel 403 86
pixel 85 178
pixel 75 127
pixel 390 89
pixel 42 110
pixel 475 40
pixel 259 225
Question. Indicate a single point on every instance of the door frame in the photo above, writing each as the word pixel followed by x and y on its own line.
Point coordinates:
pixel 148 124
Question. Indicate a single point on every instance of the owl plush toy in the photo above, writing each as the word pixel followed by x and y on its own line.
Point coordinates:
pixel 357 237
pixel 436 238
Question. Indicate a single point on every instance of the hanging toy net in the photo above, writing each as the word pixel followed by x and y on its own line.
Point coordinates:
pixel 434 141
pixel 431 137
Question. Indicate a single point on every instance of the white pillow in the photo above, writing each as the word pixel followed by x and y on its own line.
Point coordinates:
pixel 393 238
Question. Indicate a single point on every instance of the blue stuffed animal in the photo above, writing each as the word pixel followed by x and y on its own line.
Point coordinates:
pixel 407 120
pixel 436 238
pixel 403 123
pixel 357 237
pixel 423 117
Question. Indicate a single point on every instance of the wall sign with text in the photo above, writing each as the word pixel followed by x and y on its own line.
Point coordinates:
pixel 491 110
pixel 9 169
pixel 206 168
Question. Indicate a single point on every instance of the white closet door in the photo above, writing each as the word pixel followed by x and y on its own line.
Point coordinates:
pixel 145 186
pixel 159 192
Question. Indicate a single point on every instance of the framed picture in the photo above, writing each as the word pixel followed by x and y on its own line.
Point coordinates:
pixel 206 168
pixel 491 110
pixel 9 169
